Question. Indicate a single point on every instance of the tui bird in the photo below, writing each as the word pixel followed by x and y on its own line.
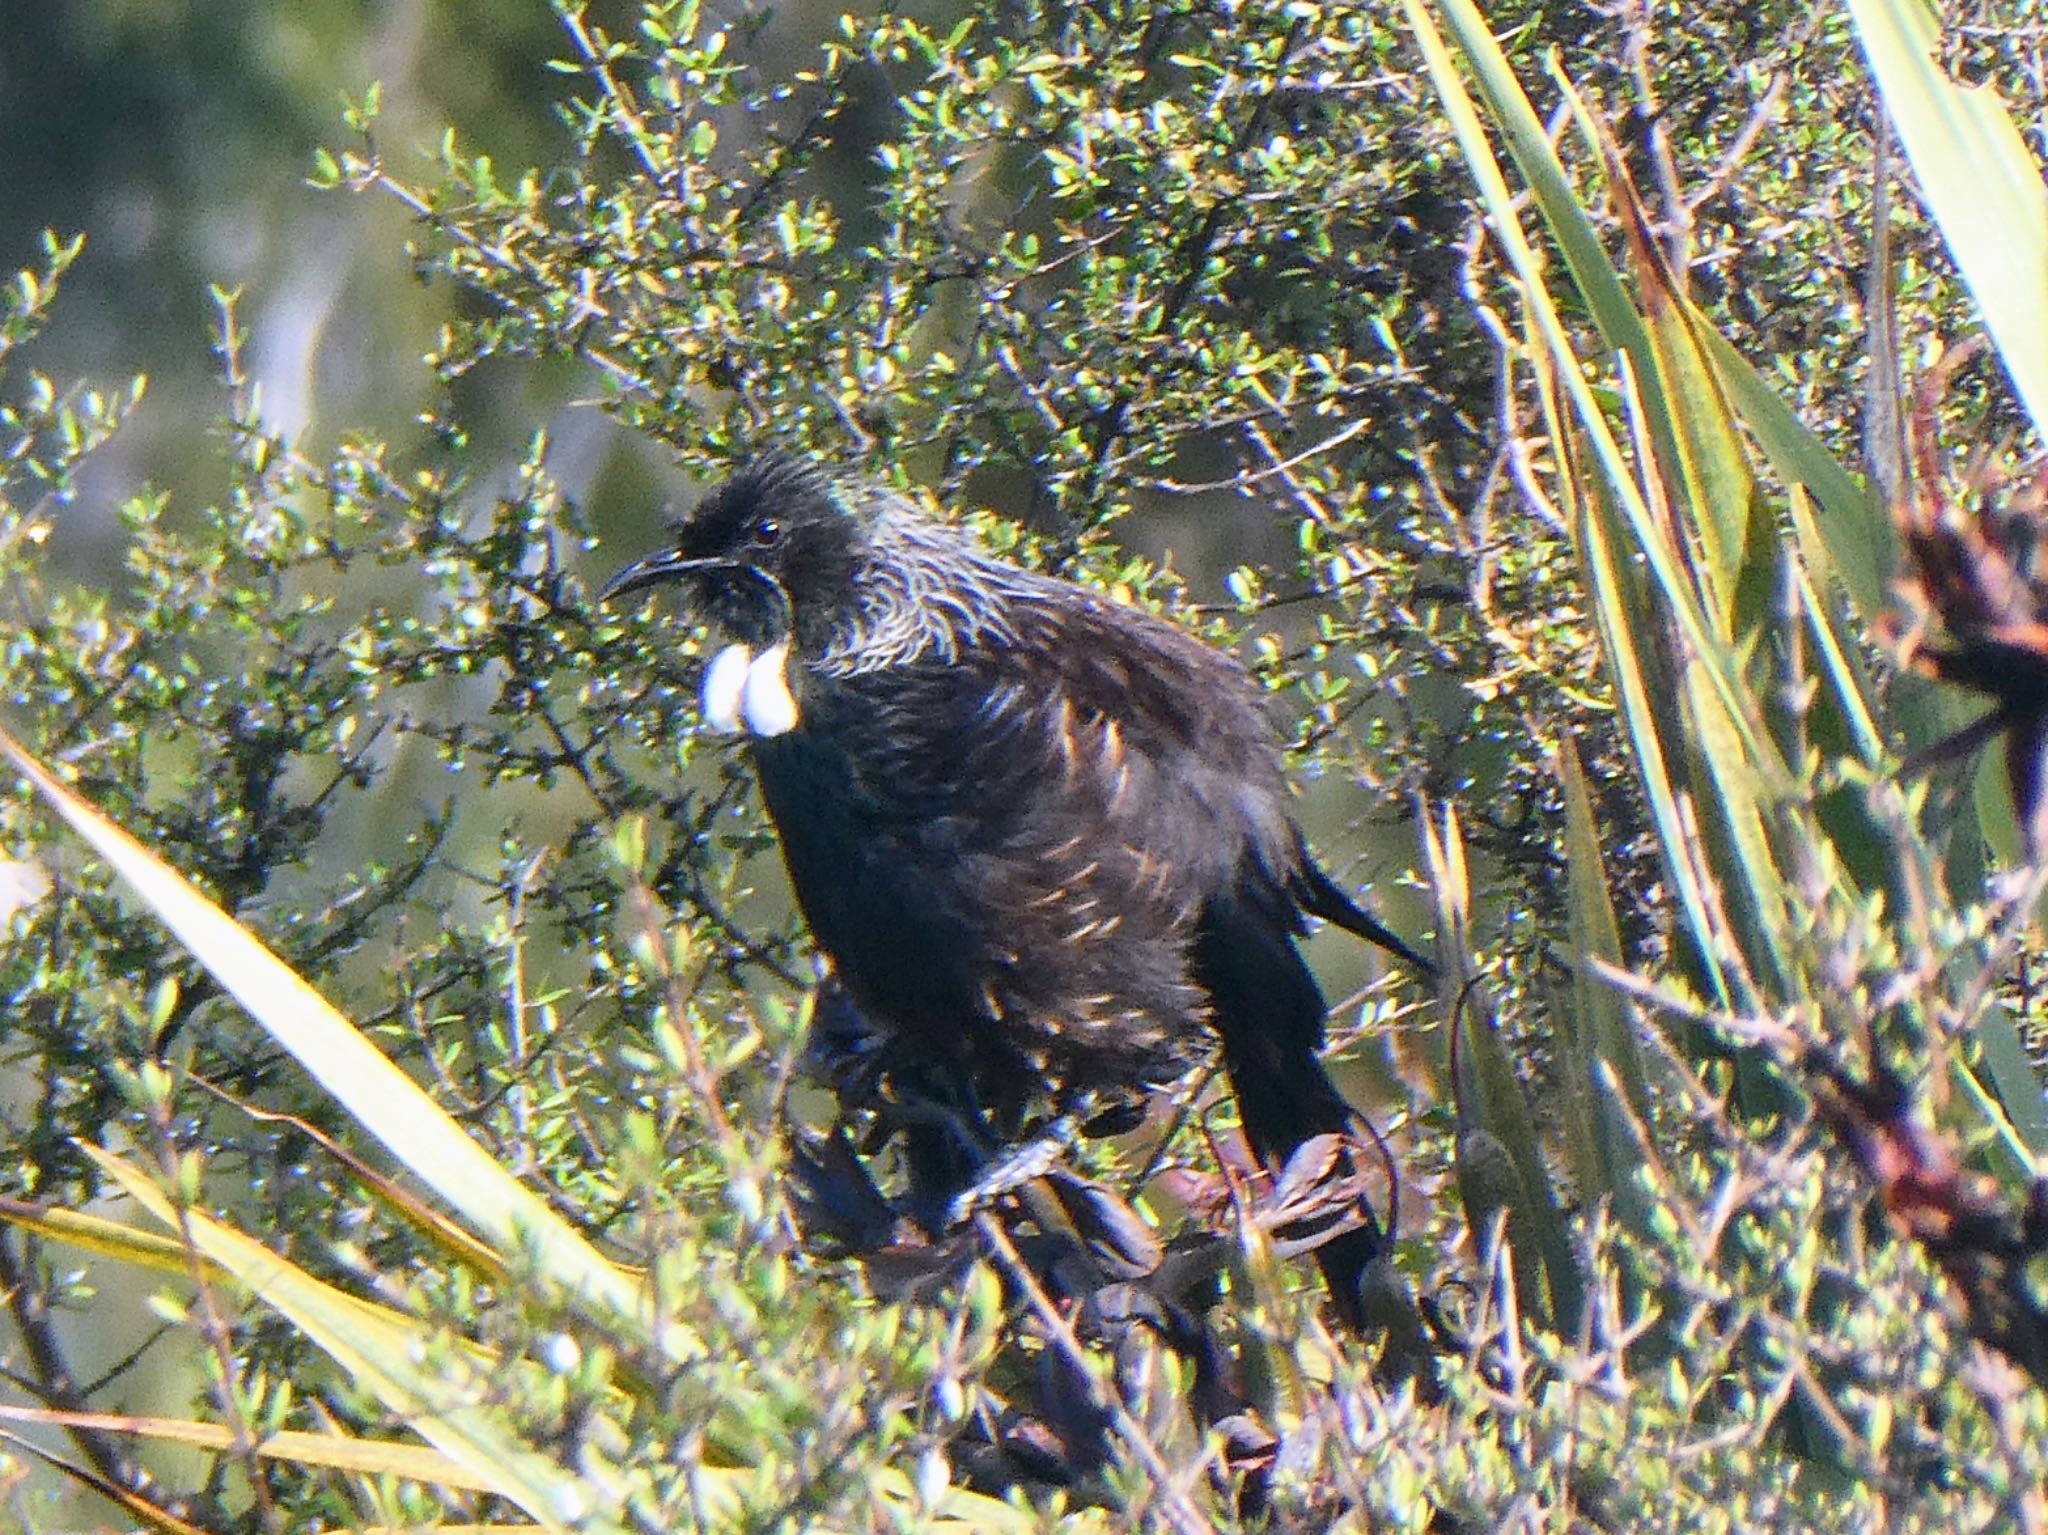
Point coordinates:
pixel 1042 837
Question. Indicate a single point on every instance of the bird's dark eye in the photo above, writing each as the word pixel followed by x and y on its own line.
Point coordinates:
pixel 767 532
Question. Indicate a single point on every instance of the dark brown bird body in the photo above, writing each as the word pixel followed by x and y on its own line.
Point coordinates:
pixel 1043 838
pixel 1041 825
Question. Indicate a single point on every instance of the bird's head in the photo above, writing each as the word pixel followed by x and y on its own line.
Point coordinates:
pixel 772 555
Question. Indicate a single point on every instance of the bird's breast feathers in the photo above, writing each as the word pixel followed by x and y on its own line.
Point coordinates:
pixel 1068 715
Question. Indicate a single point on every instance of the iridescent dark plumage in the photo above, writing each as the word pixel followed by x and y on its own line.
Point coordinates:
pixel 1042 837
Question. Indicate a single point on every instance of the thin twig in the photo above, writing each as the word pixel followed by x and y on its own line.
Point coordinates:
pixel 1178 1510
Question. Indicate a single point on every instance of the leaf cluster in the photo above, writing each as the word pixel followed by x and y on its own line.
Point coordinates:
pixel 1517 532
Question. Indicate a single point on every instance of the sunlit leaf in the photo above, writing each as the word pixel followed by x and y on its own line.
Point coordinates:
pixel 1979 181
pixel 370 1457
pixel 385 1358
pixel 383 1099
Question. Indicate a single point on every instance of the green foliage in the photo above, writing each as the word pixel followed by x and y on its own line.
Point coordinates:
pixel 1170 268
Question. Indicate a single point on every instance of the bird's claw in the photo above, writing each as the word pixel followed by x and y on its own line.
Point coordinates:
pixel 1036 1158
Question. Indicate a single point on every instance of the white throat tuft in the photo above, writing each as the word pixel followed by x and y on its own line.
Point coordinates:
pixel 743 691
pixel 724 680
pixel 766 702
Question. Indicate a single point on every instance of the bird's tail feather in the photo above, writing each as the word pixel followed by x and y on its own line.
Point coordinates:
pixel 1284 1100
pixel 1321 896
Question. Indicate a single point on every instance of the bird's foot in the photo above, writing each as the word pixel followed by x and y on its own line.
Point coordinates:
pixel 1318 1197
pixel 1035 1159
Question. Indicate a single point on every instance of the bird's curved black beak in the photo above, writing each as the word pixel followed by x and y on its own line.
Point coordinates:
pixel 662 566
pixel 716 600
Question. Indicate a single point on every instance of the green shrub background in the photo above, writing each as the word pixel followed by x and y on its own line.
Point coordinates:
pixel 1188 299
